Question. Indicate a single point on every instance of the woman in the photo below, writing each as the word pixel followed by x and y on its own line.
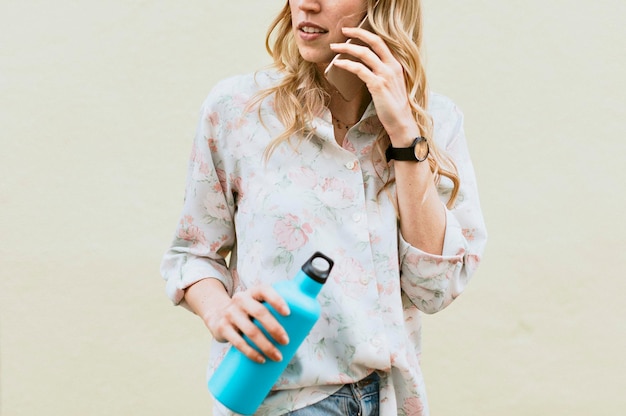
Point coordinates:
pixel 283 166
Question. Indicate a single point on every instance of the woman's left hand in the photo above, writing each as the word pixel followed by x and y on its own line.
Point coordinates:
pixel 384 77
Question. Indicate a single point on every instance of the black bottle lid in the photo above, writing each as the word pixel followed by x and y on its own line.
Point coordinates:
pixel 318 267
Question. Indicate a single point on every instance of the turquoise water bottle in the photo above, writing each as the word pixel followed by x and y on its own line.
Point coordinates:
pixel 241 384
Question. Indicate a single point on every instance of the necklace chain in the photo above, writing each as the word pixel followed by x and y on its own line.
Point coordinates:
pixel 341 125
pixel 338 123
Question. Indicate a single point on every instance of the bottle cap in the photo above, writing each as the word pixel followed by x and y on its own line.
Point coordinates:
pixel 318 267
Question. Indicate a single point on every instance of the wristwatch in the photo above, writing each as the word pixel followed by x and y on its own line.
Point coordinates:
pixel 417 152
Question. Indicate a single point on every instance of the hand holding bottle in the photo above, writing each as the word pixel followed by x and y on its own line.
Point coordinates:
pixel 229 319
pixel 234 320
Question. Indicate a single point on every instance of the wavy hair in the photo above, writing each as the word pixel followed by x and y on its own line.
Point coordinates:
pixel 299 96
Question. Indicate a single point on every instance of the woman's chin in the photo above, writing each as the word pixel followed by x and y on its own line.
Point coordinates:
pixel 318 58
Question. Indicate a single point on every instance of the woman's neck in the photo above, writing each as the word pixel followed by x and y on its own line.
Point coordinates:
pixel 345 113
pixel 348 112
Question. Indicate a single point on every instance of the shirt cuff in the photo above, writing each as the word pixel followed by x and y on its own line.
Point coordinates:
pixel 454 243
pixel 192 271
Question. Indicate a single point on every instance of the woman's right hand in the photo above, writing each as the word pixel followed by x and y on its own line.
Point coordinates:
pixel 233 319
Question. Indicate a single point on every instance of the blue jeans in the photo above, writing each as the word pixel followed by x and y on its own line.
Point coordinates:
pixel 356 399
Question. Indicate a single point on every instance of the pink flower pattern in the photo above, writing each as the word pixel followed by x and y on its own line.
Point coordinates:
pixel 413 406
pixel 290 233
pixel 189 232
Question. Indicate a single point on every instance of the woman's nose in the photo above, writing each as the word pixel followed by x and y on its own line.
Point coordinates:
pixel 310 6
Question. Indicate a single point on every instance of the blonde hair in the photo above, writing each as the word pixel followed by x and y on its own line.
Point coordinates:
pixel 299 96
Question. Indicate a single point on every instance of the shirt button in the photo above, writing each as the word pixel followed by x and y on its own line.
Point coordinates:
pixel 356 217
pixel 364 279
pixel 351 164
pixel 376 342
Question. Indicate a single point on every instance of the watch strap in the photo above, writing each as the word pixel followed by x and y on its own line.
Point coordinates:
pixel 405 153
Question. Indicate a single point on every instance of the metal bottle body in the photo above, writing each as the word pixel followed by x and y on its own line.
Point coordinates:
pixel 241 384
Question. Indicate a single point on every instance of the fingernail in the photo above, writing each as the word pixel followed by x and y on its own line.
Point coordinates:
pixel 284 339
pixel 278 356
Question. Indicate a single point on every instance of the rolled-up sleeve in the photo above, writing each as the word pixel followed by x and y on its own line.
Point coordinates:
pixel 205 233
pixel 431 281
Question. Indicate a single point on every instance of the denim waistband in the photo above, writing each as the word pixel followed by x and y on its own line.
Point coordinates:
pixel 362 388
pixel 372 378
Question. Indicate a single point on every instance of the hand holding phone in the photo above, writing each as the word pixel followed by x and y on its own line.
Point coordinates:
pixel 347 83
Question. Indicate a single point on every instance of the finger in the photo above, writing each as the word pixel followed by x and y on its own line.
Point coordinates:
pixel 390 70
pixel 360 53
pixel 374 41
pixel 271 296
pixel 262 314
pixel 238 342
pixel 358 69
pixel 248 307
pixel 255 336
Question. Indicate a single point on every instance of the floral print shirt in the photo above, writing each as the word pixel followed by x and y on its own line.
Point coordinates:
pixel 315 195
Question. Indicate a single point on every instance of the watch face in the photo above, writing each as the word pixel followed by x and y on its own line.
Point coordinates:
pixel 421 149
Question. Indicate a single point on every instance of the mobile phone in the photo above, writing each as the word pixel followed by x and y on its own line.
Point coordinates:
pixel 347 83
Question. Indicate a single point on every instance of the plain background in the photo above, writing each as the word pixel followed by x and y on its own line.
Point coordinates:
pixel 98 105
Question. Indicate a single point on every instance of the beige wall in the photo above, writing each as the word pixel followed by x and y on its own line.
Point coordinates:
pixel 98 104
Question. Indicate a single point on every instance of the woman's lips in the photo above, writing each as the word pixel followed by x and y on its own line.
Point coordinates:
pixel 310 31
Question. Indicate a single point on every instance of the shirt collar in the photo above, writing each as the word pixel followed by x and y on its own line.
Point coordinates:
pixel 323 125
